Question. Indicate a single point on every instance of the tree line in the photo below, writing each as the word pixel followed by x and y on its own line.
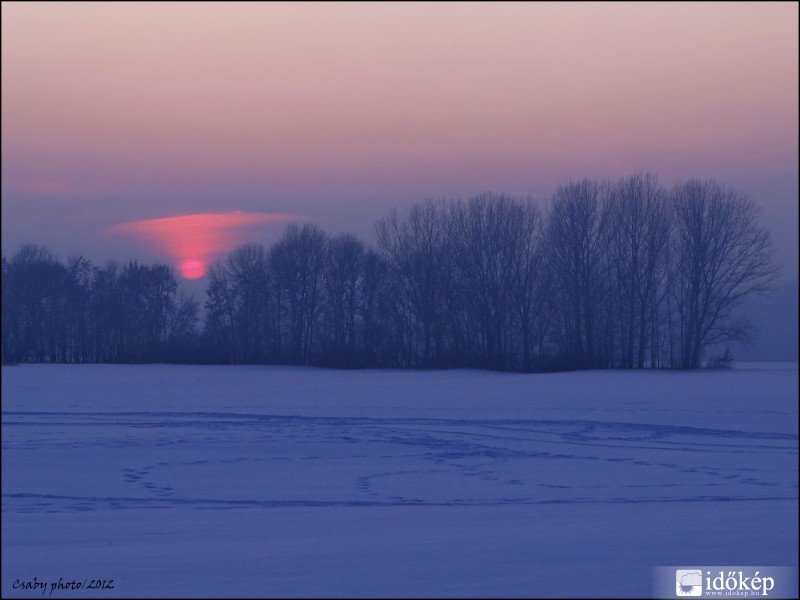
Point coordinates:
pixel 627 274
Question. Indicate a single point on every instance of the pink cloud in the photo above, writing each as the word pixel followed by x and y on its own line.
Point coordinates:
pixel 42 187
pixel 194 240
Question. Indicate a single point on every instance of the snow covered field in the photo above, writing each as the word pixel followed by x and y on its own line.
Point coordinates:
pixel 284 481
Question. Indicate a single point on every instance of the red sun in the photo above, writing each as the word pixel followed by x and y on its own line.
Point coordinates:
pixel 193 269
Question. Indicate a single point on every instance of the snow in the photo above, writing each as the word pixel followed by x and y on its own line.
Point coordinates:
pixel 212 481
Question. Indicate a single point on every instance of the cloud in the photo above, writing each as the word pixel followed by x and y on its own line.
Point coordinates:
pixel 196 239
pixel 41 187
pixel 695 578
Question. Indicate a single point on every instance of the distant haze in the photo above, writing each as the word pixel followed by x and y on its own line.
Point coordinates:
pixel 115 113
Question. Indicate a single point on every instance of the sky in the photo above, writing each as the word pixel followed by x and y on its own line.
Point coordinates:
pixel 333 113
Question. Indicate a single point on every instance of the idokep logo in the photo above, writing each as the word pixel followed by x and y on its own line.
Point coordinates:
pixel 713 582
pixel 725 582
pixel 688 582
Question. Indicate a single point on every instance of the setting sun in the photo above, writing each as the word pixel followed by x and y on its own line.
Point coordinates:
pixel 193 269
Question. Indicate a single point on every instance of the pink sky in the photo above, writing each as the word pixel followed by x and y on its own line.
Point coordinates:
pixel 117 112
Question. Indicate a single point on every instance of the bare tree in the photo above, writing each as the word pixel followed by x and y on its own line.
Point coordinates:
pixel 238 303
pixel 490 235
pixel 577 240
pixel 9 333
pixel 33 320
pixel 416 248
pixel 247 268
pixel 377 308
pixel 640 225
pixel 297 263
pixel 342 284
pixel 530 285
pixel 181 332
pixel 108 312
pixel 220 335
pixel 722 255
